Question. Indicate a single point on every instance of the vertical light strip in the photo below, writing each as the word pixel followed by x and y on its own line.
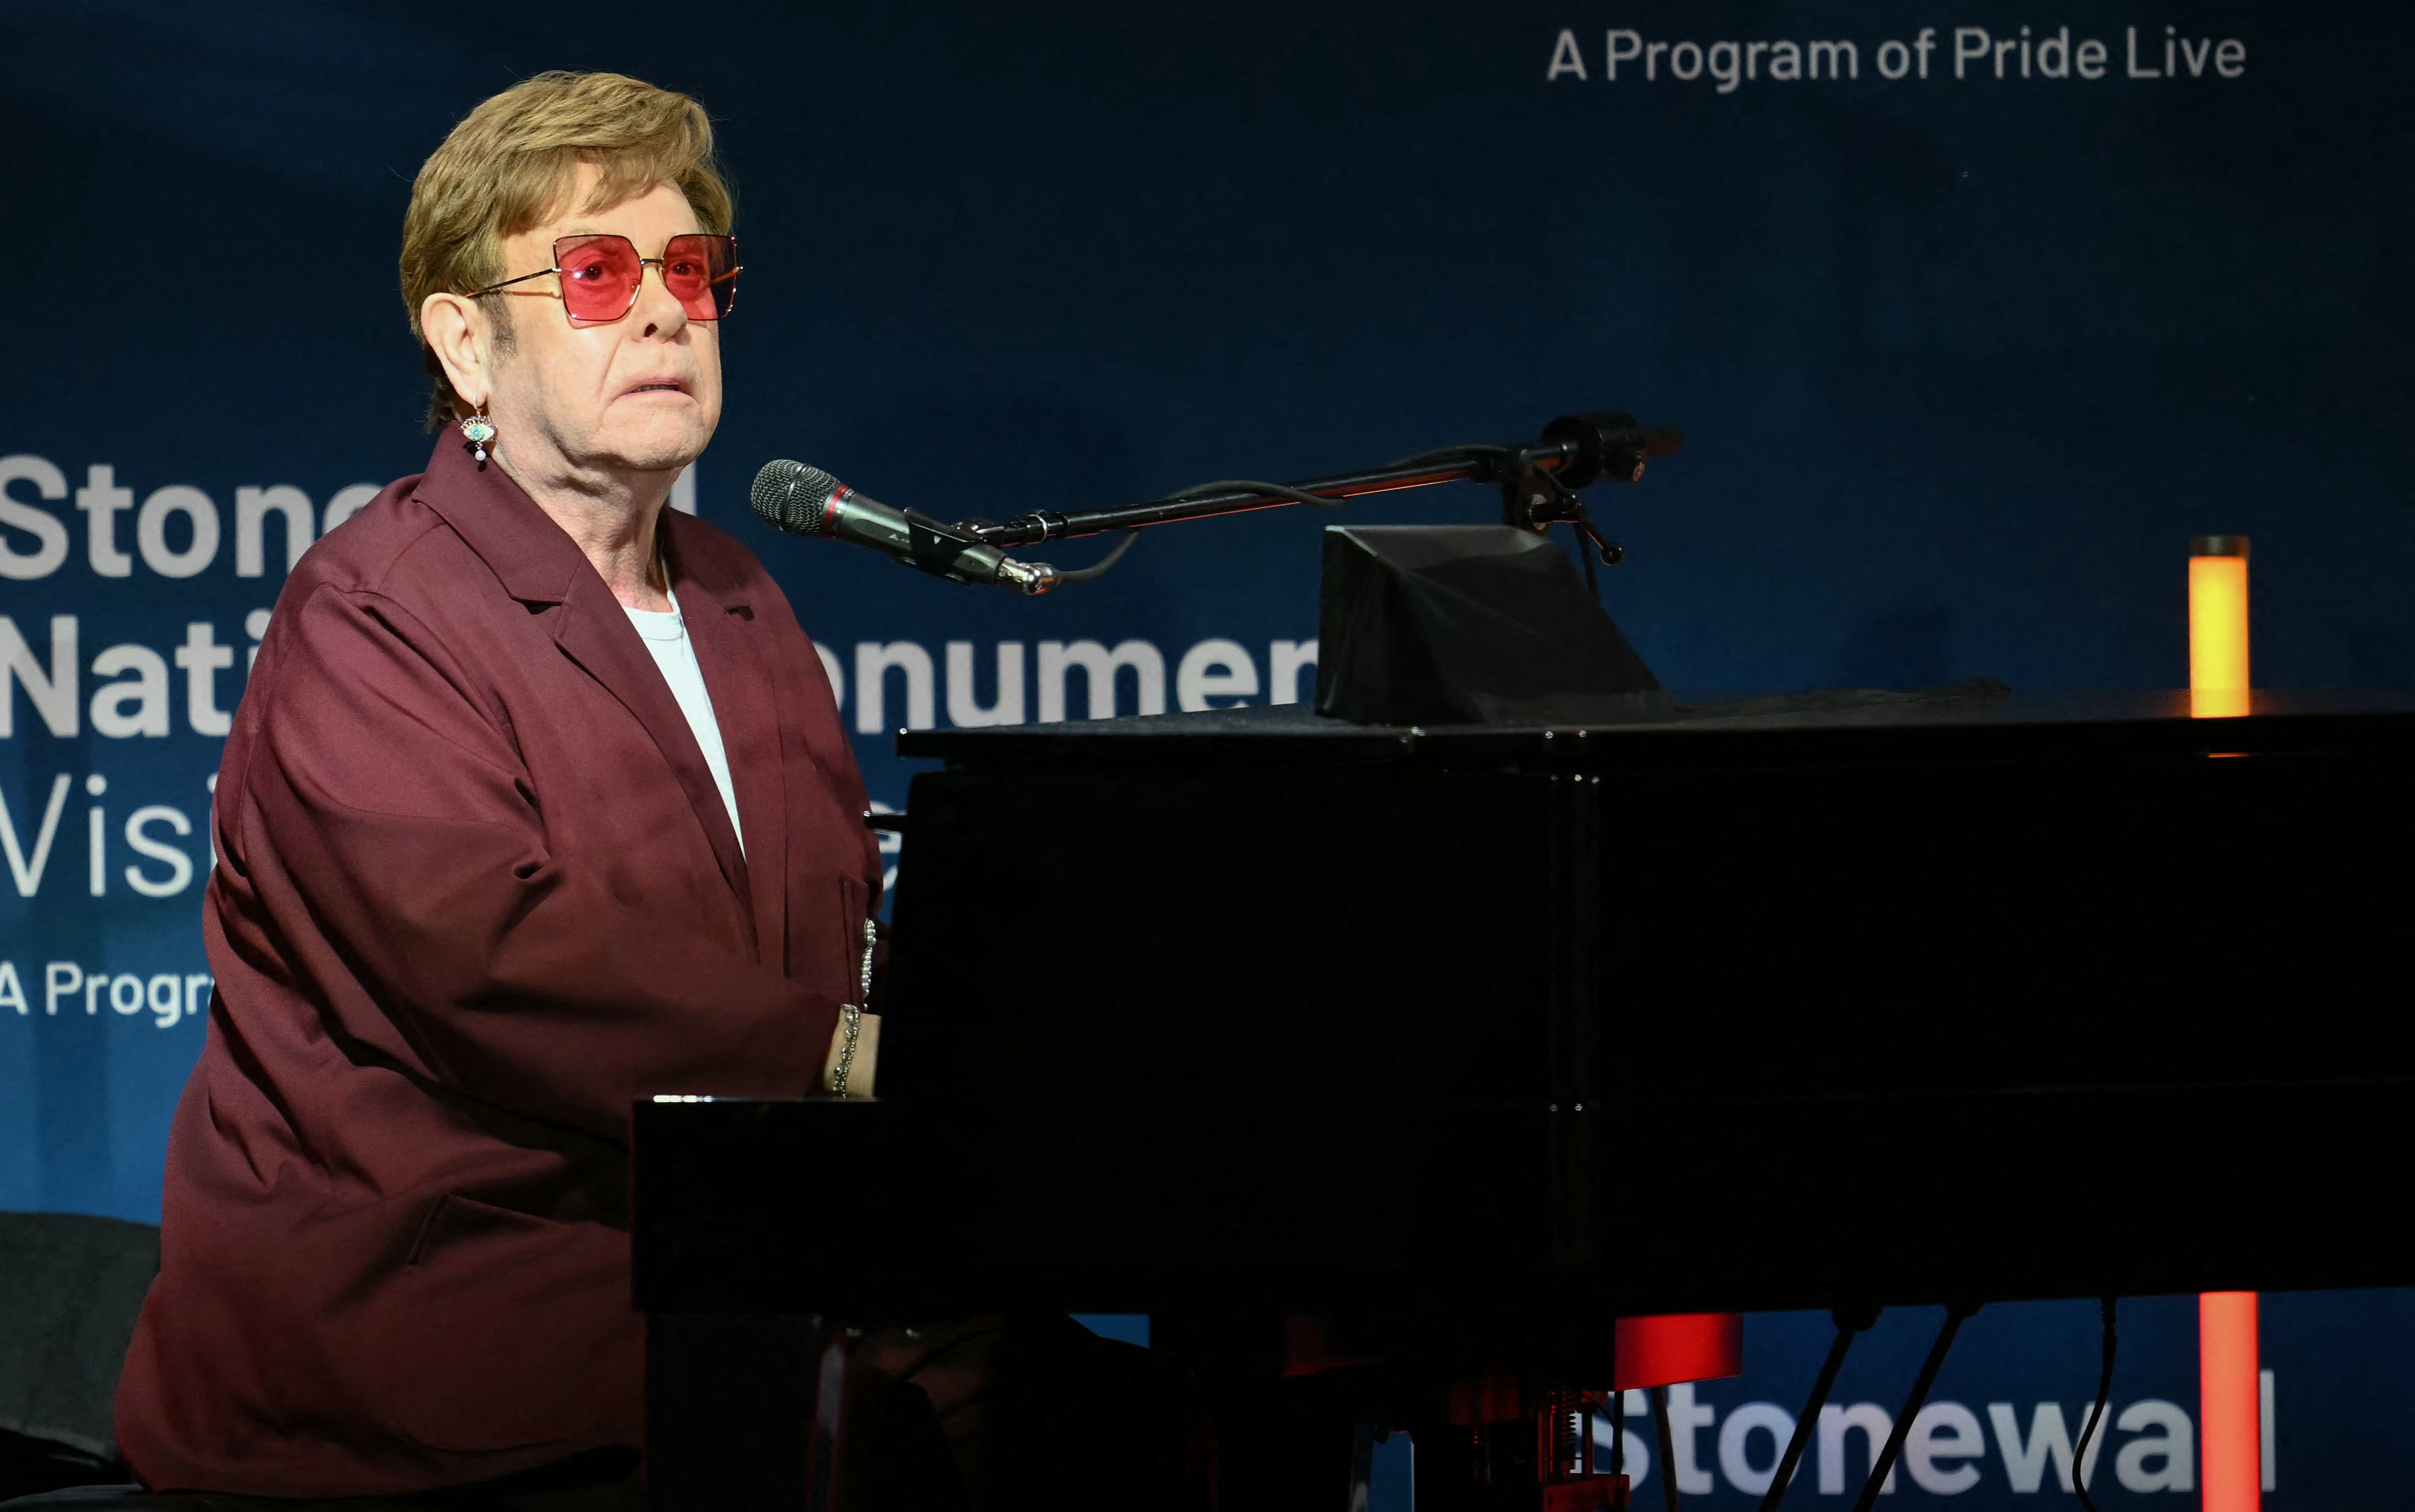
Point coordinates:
pixel 2218 593
pixel 2264 1439
pixel 2230 1422
pixel 2230 1415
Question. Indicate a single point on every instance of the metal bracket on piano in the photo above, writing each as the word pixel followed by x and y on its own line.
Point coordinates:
pixel 1536 501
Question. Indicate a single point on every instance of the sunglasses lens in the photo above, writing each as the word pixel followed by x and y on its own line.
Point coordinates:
pixel 701 273
pixel 599 276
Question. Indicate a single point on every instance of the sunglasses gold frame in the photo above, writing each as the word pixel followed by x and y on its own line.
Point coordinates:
pixel 657 263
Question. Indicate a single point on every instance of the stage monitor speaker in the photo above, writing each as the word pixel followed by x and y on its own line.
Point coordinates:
pixel 1469 624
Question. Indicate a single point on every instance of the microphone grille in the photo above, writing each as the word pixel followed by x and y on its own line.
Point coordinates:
pixel 792 496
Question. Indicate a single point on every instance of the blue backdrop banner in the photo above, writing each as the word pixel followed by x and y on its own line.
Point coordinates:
pixel 1973 317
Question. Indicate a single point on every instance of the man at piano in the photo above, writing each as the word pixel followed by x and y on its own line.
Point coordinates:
pixel 537 803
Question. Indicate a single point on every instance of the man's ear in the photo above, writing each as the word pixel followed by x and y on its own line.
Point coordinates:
pixel 455 329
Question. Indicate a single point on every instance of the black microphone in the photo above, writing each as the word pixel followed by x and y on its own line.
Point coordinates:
pixel 806 501
pixel 1608 444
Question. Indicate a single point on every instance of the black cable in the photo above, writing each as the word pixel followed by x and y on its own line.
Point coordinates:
pixel 1272 490
pixel 1659 1396
pixel 1618 1432
pixel 1099 568
pixel 1849 1323
pixel 1928 1367
pixel 2104 1394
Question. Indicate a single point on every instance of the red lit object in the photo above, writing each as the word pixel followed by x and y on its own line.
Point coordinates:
pixel 1679 1346
pixel 1493 1398
pixel 2229 1426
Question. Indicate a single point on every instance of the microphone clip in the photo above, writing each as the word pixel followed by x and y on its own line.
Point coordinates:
pixel 1534 499
pixel 935 545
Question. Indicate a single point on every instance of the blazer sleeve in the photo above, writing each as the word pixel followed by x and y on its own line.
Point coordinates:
pixel 392 837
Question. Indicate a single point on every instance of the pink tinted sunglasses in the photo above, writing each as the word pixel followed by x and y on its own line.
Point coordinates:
pixel 600 275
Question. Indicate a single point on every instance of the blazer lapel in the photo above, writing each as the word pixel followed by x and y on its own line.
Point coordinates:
pixel 594 631
pixel 730 650
pixel 538 562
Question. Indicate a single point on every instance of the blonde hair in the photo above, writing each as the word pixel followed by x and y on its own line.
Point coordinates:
pixel 509 163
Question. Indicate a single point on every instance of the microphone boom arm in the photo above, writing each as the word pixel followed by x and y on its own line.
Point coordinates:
pixel 1538 483
pixel 1538 480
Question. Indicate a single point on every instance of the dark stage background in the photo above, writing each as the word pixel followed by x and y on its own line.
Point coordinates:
pixel 1964 358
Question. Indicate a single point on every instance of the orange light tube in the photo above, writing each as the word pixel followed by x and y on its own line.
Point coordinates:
pixel 2217 597
pixel 2229 1424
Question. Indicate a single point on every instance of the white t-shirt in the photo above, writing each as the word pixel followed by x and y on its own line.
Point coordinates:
pixel 666 635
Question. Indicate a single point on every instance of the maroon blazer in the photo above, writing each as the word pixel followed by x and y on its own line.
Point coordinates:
pixel 475 892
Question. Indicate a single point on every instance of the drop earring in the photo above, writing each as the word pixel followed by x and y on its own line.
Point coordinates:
pixel 477 430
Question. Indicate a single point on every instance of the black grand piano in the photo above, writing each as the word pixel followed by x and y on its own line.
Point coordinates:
pixel 1467 1040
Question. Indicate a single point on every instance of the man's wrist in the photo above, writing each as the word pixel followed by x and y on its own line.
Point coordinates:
pixel 853 1063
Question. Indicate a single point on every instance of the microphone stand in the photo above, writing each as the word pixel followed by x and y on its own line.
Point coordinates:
pixel 1538 483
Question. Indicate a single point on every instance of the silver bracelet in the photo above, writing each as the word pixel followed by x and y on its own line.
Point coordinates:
pixel 850 1018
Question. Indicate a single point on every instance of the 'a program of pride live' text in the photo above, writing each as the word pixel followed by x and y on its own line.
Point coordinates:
pixel 1967 53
